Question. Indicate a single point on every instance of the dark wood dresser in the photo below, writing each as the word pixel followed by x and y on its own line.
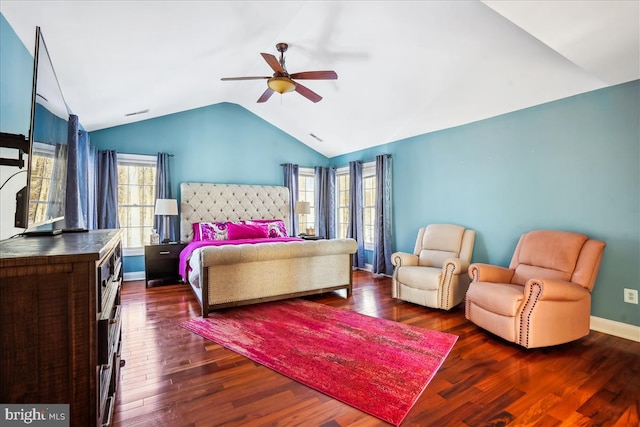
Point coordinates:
pixel 60 323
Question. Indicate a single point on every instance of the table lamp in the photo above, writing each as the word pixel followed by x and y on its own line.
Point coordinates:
pixel 302 208
pixel 166 207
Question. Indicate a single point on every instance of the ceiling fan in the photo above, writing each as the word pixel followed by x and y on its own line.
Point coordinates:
pixel 282 81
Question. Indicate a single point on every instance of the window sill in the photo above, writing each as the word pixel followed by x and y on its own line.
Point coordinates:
pixel 132 251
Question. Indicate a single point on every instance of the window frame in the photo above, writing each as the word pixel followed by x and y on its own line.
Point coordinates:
pixel 307 196
pixel 43 161
pixel 368 172
pixel 342 172
pixel 143 159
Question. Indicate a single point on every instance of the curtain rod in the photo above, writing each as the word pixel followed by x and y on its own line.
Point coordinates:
pixel 308 167
pixel 359 161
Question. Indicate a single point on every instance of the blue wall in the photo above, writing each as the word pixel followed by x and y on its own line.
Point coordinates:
pixel 222 143
pixel 572 165
pixel 16 79
pixel 219 143
pixel 49 128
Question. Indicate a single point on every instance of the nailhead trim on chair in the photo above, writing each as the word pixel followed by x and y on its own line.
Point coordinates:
pixel 395 288
pixel 443 304
pixel 474 275
pixel 528 310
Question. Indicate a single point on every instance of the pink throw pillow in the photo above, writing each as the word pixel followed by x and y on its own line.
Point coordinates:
pixel 247 231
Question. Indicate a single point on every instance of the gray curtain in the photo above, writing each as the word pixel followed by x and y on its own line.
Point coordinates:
pixel 291 182
pixel 77 198
pixel 107 189
pixel 355 228
pixel 325 202
pixel 92 188
pixel 382 231
pixel 163 191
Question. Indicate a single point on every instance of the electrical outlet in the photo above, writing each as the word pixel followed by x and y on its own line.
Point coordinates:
pixel 631 296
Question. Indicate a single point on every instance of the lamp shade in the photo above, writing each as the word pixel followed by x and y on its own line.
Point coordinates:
pixel 166 207
pixel 302 208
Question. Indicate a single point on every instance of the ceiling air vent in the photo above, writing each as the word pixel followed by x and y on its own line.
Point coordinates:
pixel 315 137
pixel 135 113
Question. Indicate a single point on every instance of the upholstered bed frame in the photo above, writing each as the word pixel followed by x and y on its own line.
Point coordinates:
pixel 249 273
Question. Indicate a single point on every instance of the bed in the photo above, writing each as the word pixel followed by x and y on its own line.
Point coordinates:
pixel 239 251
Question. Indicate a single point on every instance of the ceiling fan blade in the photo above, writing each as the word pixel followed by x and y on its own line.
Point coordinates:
pixel 307 93
pixel 273 62
pixel 244 78
pixel 266 95
pixel 315 75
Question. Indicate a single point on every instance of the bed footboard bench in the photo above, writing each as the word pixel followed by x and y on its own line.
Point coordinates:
pixel 246 274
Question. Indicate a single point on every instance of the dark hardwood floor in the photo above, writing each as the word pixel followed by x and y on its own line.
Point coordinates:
pixel 173 377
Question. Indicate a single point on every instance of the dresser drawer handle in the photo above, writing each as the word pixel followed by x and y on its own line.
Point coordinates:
pixel 165 252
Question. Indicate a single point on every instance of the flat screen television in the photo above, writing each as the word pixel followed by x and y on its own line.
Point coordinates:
pixel 42 201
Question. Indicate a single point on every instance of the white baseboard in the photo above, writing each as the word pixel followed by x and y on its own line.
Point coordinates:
pixel 134 275
pixel 618 329
pixel 369 268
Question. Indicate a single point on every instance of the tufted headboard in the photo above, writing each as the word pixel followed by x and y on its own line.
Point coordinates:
pixel 205 202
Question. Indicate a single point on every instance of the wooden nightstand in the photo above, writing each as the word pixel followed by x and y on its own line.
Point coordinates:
pixel 161 264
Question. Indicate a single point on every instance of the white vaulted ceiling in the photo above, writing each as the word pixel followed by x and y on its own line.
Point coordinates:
pixel 404 67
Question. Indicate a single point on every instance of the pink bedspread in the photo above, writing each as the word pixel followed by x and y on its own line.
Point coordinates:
pixel 186 252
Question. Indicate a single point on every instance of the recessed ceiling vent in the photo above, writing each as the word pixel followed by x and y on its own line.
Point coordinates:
pixel 135 113
pixel 315 137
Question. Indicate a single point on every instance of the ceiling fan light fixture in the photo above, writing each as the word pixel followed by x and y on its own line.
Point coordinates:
pixel 281 84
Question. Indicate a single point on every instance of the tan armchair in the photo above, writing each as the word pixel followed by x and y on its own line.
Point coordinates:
pixel 436 273
pixel 544 297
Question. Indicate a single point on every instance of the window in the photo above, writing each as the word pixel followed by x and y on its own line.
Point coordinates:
pixel 342 203
pixel 306 193
pixel 369 203
pixel 136 196
pixel 42 166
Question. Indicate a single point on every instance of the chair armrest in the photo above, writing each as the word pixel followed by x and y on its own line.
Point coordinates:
pixel 400 259
pixel 554 290
pixel 490 273
pixel 459 265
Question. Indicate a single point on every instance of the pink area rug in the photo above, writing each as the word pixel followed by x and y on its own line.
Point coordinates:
pixel 378 366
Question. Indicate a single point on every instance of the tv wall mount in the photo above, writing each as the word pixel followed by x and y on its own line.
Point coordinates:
pixel 18 142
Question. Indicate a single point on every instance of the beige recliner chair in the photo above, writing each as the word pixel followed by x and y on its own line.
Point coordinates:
pixel 544 297
pixel 436 274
